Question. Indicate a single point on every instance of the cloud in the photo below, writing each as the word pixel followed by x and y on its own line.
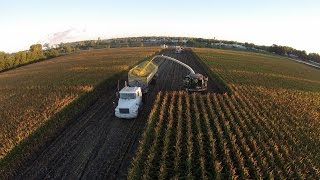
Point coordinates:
pixel 68 35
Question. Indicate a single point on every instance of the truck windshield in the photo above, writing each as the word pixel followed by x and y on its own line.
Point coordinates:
pixel 127 95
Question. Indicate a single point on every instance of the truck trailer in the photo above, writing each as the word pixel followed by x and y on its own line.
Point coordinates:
pixel 142 75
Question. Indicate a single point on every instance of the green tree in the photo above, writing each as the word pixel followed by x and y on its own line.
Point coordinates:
pixel 314 57
pixel 2 56
pixel 21 57
pixel 67 48
pixel 52 53
pixel 9 62
pixel 36 52
pixel 2 60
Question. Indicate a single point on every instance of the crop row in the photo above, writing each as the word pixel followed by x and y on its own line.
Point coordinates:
pixel 216 136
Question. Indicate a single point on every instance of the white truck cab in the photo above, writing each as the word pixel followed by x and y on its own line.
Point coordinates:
pixel 130 100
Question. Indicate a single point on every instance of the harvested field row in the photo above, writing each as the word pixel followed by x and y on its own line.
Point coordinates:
pixel 32 94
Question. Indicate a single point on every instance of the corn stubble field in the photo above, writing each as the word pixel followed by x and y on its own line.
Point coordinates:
pixel 30 95
pixel 268 127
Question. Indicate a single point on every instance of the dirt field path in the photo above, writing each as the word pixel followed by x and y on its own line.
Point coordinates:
pixel 98 145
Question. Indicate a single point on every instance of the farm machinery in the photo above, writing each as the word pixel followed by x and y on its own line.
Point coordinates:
pixel 146 72
pixel 178 50
pixel 193 82
pixel 139 79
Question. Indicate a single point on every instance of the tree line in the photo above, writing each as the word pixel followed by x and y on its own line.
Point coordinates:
pixel 34 54
pixel 8 61
pixel 291 52
pixel 275 49
pixel 38 52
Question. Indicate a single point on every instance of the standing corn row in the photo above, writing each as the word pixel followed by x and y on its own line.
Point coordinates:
pixel 149 166
pixel 242 171
pixel 165 152
pixel 212 142
pixel 284 150
pixel 217 136
pixel 252 154
pixel 227 163
pixel 137 162
pixel 199 138
pixel 241 144
pixel 189 139
pixel 262 141
pixel 178 149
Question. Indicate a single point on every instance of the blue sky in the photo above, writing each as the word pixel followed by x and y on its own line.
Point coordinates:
pixel 292 23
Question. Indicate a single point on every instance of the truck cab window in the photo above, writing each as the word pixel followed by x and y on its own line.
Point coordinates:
pixel 127 95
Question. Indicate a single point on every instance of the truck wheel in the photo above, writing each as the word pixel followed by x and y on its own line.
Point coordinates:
pixel 140 107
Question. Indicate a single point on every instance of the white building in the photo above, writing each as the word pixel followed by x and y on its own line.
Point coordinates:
pixel 164 46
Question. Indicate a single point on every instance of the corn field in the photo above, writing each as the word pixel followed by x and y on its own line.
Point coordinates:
pixel 217 136
pixel 268 128
pixel 288 92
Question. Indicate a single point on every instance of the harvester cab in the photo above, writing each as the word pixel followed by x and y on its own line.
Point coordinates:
pixel 178 49
pixel 195 82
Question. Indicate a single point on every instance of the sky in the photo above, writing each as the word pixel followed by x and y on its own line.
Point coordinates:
pixel 284 22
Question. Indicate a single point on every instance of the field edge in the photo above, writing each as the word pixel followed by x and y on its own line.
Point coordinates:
pixel 222 85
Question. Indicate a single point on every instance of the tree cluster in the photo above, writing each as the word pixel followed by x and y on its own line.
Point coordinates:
pixel 35 53
pixel 291 52
pixel 8 61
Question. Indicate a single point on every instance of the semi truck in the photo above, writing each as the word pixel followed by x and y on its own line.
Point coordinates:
pixel 129 103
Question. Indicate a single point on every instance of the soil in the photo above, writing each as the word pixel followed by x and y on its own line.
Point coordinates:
pixel 98 145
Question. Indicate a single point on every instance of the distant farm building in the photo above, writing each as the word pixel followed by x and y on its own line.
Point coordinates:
pixel 164 46
pixel 239 46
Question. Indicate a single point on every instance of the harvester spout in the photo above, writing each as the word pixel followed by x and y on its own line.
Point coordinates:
pixel 142 74
pixel 175 60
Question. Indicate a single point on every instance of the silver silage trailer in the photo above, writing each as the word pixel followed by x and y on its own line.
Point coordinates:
pixel 142 75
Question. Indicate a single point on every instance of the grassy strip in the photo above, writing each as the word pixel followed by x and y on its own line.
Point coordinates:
pixel 28 148
pixel 222 85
